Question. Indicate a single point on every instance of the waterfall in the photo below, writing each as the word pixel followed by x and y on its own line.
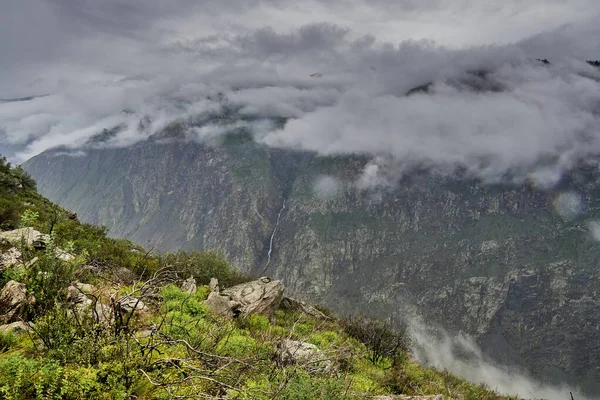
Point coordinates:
pixel 273 235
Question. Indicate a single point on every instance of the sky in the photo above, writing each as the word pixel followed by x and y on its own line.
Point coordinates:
pixel 338 69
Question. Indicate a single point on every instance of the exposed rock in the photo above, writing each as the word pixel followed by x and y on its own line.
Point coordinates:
pixel 31 262
pixel 146 333
pixel 15 327
pixel 39 243
pixel 85 287
pixel 403 397
pixel 214 285
pixel 9 258
pixel 218 304
pixel 14 302
pixel 75 295
pixel 291 352
pixel 287 303
pixel 102 313
pixel 189 285
pixel 262 296
pixel 132 303
pixel 63 255
pixel 29 236
pixel 85 305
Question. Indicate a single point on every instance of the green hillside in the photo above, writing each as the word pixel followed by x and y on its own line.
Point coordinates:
pixel 135 334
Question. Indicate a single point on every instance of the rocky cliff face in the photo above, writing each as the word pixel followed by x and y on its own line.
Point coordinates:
pixel 512 265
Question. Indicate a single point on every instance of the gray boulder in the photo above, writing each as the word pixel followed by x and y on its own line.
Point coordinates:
pixel 77 296
pixel 88 308
pixel 29 236
pixel 130 304
pixel 85 287
pixel 262 296
pixel 15 302
pixel 293 352
pixel 403 397
pixel 287 303
pixel 15 327
pixel 9 258
pixel 219 304
pixel 189 285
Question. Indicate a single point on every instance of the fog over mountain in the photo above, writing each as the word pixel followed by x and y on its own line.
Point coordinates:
pixel 338 69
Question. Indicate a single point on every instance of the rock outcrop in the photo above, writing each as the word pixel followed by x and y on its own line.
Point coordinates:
pixel 15 327
pixel 288 303
pixel 28 236
pixel 403 397
pixel 129 304
pixel 189 285
pixel 86 302
pixel 220 305
pixel 262 296
pixel 290 352
pixel 32 238
pixel 77 296
pixel 124 275
pixel 9 258
pixel 15 302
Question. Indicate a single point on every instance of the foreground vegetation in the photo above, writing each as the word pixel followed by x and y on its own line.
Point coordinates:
pixel 173 347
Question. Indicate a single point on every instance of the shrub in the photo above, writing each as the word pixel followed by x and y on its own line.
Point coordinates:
pixel 47 279
pixel 303 387
pixel 257 322
pixel 380 338
pixel 29 218
pixel 10 210
pixel 24 178
pixel 7 340
pixel 204 266
pixel 237 344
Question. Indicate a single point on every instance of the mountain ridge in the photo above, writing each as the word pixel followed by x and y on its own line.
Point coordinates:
pixel 494 261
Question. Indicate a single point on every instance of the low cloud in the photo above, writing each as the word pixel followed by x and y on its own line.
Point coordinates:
pixel 492 108
pixel 461 356
pixel 327 187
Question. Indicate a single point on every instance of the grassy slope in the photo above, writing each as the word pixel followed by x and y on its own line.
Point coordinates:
pixel 187 353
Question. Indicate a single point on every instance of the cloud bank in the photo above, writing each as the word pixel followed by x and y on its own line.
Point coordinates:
pixel 461 355
pixel 339 78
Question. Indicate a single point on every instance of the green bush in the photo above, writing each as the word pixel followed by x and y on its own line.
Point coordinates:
pixel 24 178
pixel 237 344
pixel 23 378
pixel 47 279
pixel 381 339
pixel 203 267
pixel 304 387
pixel 7 340
pixel 10 209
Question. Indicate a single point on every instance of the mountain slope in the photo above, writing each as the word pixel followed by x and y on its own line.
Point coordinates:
pixel 82 329
pixel 512 265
